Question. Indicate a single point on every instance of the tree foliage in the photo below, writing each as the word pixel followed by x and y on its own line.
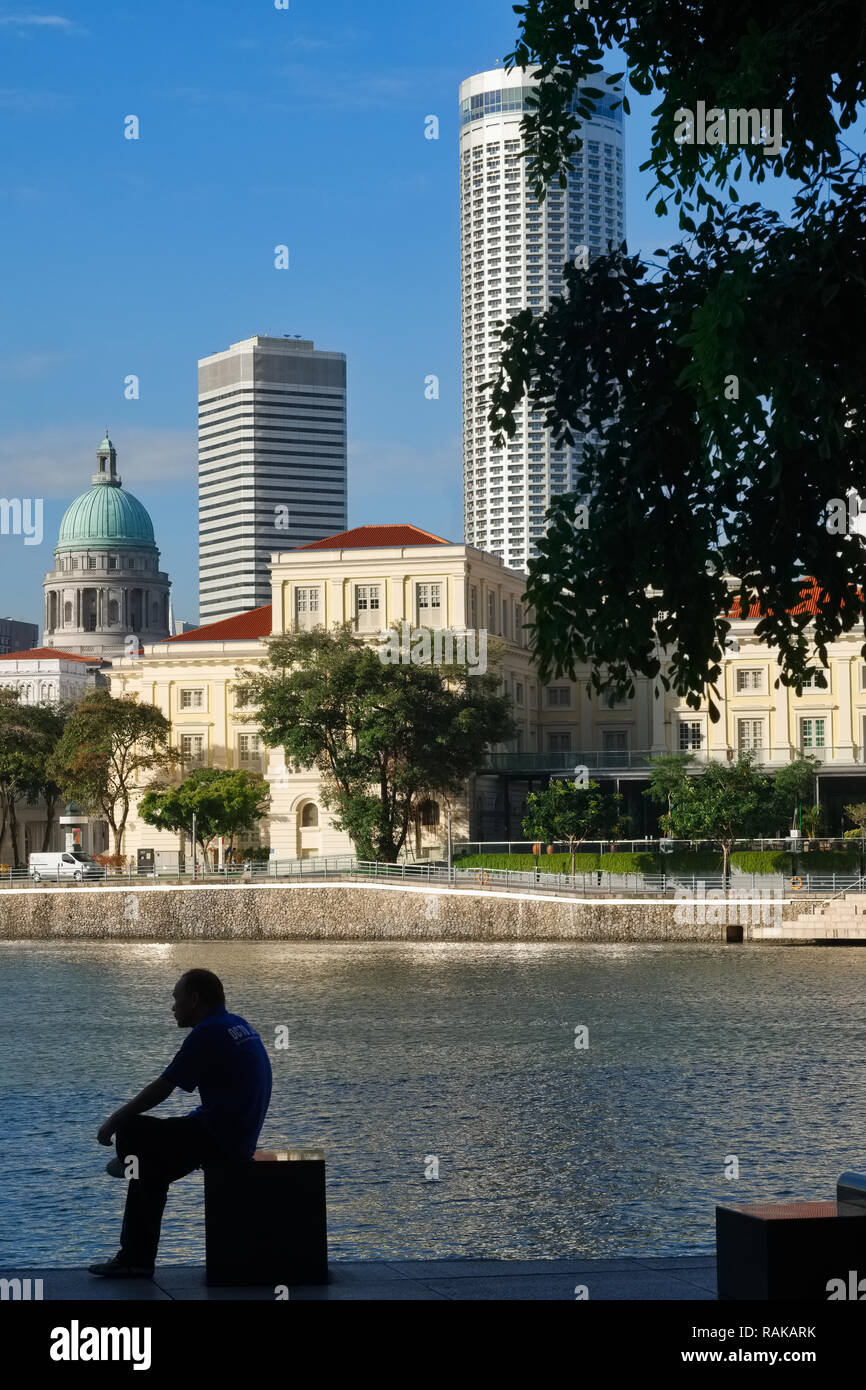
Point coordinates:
pixel 794 785
pixel 570 813
pixel 719 387
pixel 384 737
pixel 730 801
pixel 28 735
pixel 108 745
pixel 666 776
pixel 224 802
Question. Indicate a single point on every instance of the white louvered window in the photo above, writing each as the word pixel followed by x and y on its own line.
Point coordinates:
pixel 308 606
pixel 429 605
pixel 192 750
pixel 368 617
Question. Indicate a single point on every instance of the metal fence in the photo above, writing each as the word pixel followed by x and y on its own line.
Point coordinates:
pixel 593 884
pixel 790 844
pixel 289 868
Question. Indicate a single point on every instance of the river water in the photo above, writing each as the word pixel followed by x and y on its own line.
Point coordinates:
pixel 402 1054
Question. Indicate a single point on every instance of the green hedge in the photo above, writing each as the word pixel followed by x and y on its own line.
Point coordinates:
pixel 829 861
pixel 762 861
pixel 681 865
pixel 548 863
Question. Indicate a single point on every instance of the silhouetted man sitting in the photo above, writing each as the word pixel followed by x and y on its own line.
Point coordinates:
pixel 226 1059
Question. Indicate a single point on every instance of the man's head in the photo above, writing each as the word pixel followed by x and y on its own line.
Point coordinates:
pixel 196 994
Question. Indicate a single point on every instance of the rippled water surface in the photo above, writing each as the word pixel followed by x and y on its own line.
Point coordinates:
pixel 401 1052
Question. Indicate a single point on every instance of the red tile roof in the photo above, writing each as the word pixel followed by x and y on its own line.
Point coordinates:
pixel 39 653
pixel 256 622
pixel 809 595
pixel 368 537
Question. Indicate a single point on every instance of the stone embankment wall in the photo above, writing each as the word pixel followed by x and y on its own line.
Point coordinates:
pixel 339 912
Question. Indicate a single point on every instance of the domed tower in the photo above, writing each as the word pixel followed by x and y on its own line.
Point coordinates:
pixel 106 593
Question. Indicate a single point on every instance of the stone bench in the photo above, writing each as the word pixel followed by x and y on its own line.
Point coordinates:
pixel 265 1219
pixel 792 1250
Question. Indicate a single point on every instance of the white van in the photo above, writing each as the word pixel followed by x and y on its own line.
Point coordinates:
pixel 66 864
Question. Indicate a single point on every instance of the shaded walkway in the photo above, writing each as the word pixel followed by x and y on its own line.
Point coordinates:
pixel 658 1279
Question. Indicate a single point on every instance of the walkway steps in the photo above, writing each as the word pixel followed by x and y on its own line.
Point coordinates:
pixel 841 918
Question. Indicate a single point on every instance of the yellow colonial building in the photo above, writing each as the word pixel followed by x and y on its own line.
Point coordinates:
pixel 376 576
pixel 371 577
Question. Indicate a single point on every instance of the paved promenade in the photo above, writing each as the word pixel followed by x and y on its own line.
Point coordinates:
pixel 673 1278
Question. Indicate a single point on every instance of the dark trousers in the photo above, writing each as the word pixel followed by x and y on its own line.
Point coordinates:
pixel 166 1150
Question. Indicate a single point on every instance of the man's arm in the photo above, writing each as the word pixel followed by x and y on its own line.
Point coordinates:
pixel 145 1100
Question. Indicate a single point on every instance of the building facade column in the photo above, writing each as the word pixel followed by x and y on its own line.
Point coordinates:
pixel 842 738
pixel 658 742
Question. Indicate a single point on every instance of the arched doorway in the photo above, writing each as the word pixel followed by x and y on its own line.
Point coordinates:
pixel 309 833
pixel 427 840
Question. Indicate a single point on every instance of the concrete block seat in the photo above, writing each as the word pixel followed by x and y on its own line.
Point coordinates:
pixel 265 1219
pixel 791 1250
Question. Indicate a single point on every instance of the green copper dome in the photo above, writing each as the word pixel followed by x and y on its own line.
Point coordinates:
pixel 105 516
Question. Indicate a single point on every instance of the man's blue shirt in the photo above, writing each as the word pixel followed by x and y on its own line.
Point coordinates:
pixel 226 1059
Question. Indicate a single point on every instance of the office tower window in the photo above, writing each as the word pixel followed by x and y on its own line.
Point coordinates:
pixel 537 239
pixel 272 463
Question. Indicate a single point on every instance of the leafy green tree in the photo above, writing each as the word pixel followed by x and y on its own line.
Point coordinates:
pixel 729 802
pixel 566 812
pixel 28 736
pixel 108 745
pixel 792 785
pixel 667 776
pixel 856 812
pixel 384 737
pixel 719 386
pixel 813 821
pixel 14 732
pixel 224 802
pixel 45 723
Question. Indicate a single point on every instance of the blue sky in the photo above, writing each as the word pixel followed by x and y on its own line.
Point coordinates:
pixel 257 127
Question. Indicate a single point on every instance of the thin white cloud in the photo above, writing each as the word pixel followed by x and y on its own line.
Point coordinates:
pixel 334 38
pixel 60 460
pixel 26 23
pixel 38 21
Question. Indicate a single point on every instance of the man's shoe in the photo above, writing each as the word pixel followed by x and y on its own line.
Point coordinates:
pixel 118 1269
pixel 115 1168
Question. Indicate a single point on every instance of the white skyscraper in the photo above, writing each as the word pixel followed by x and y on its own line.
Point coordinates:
pixel 271 463
pixel 512 253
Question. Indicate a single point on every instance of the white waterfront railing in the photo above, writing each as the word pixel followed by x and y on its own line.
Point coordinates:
pixel 347 868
